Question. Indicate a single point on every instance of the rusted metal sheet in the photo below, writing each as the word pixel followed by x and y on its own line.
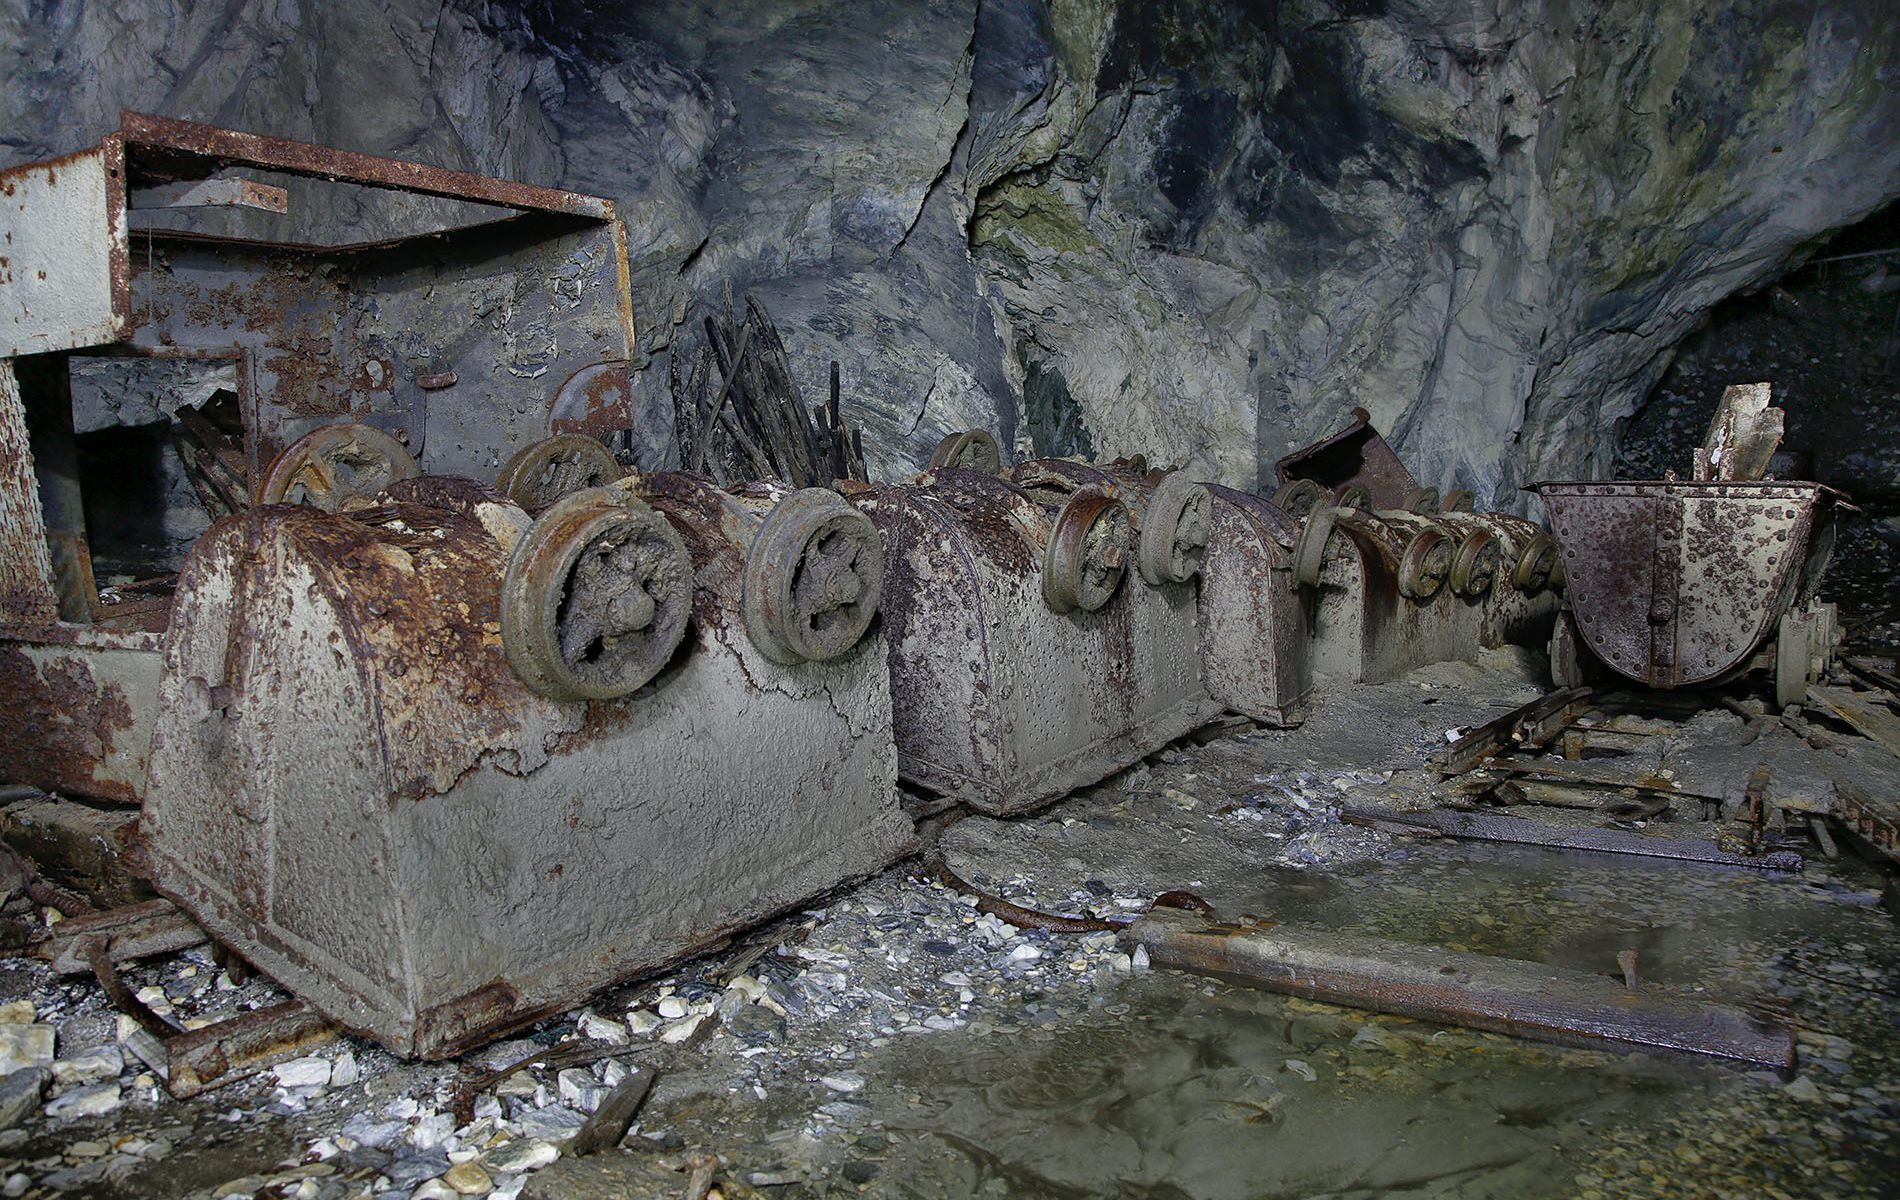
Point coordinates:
pixel 63 252
pixel 1002 701
pixel 596 400
pixel 192 1062
pixel 354 788
pixel 1355 457
pixel 83 704
pixel 1676 583
pixel 1252 627
pixel 1477 991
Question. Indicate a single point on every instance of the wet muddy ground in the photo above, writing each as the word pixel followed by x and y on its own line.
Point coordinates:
pixel 895 1042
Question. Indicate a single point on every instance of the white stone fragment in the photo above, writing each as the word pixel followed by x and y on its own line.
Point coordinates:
pixel 94 1100
pixel 530 1154
pixel 1024 953
pixel 679 1031
pixel 602 1029
pixel 90 1066
pixel 1138 961
pixel 23 1046
pixel 345 1071
pixel 309 1071
pixel 672 1008
pixel 844 1081
pixel 640 1022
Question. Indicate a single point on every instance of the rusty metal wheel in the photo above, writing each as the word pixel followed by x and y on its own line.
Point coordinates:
pixel 1423 500
pixel 971 450
pixel 1351 495
pixel 813 578
pixel 1474 566
pixel 1537 563
pixel 596 597
pixel 1311 551
pixel 1425 564
pixel 1458 500
pixel 336 467
pixel 1297 497
pixel 1087 552
pixel 539 474
pixel 1174 528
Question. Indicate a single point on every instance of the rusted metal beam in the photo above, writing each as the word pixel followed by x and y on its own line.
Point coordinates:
pixel 228 147
pixel 1493 827
pixel 199 1060
pixel 1521 999
pixel 1528 726
pixel 132 932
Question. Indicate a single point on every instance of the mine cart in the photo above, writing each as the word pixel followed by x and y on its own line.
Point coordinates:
pixel 1027 658
pixel 1680 583
pixel 1254 645
pixel 182 334
pixel 1356 468
pixel 1388 591
pixel 441 771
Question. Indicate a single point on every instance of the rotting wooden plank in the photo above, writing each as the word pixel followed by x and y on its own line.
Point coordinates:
pixel 1477 991
pixel 1495 827
pixel 1872 719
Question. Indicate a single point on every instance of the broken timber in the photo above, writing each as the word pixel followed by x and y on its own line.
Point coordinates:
pixel 1521 999
pixel 1488 827
pixel 1862 711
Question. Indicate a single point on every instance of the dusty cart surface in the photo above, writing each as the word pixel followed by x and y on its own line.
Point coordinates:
pixel 1676 583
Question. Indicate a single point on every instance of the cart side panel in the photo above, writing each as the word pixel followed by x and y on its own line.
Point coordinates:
pixel 1608 538
pixel 1740 548
pixel 63 252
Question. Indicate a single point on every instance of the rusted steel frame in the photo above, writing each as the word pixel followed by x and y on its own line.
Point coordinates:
pixel 201 1059
pixel 99 960
pixel 1356 455
pixel 1529 726
pixel 133 932
pixel 1477 991
pixel 219 147
pixel 1495 827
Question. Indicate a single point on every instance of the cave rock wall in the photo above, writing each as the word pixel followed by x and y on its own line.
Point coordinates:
pixel 1189 229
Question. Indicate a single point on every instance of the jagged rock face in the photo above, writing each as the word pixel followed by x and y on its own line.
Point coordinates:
pixel 1189 229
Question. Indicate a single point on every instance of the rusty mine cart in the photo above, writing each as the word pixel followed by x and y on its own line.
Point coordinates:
pixel 439 766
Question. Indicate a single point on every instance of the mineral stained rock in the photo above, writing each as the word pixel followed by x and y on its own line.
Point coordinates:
pixel 1185 228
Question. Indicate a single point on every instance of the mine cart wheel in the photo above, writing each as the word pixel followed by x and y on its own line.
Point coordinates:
pixel 1087 552
pixel 1475 565
pixel 596 597
pixel 1795 658
pixel 336 467
pixel 539 474
pixel 1458 500
pixel 1174 530
pixel 1566 656
pixel 1537 564
pixel 1351 495
pixel 1425 564
pixel 1309 553
pixel 1297 497
pixel 971 450
pixel 1423 500
pixel 813 578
